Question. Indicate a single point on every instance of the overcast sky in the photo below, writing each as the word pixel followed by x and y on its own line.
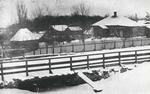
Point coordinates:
pixel 62 7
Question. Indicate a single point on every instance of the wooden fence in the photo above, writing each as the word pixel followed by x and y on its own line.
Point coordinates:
pixel 91 46
pixel 71 62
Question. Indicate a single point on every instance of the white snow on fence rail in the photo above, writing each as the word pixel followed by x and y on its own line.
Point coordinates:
pixel 61 64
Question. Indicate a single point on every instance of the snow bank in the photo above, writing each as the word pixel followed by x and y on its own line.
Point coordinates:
pixel 136 81
pixel 15 91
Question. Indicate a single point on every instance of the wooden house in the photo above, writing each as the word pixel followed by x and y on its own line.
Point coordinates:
pixel 55 33
pixel 117 26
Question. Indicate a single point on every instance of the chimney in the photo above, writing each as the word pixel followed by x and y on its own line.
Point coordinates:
pixel 115 14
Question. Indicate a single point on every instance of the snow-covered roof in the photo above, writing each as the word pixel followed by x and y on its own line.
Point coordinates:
pixel 74 28
pixel 141 21
pixel 59 27
pixel 117 21
pixel 148 26
pixel 144 23
pixel 147 22
pixel 25 35
pixel 103 26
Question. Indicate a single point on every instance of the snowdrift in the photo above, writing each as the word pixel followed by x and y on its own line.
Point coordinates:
pixel 136 81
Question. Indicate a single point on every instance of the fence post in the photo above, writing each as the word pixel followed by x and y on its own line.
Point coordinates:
pixel 94 45
pixel 34 52
pixel 132 43
pixel 50 71
pixel 101 46
pixel 141 42
pixel 88 66
pixel 53 48
pixel 148 41
pixel 60 48
pixel 104 44
pixel 104 61
pixel 23 53
pixel 135 56
pixel 27 74
pixel 84 46
pixel 71 63
pixel 40 50
pixel 46 49
pixel 72 48
pixel 119 57
pixel 124 42
pixel 114 44
pixel 2 73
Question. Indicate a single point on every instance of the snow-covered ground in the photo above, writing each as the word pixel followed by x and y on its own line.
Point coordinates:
pixel 15 91
pixel 136 81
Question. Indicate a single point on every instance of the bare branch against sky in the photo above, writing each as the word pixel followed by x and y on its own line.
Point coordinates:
pixel 21 11
pixel 80 9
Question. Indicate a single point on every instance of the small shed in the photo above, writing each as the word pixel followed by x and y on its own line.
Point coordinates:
pixel 24 38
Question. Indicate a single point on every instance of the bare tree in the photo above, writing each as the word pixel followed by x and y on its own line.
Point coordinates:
pixel 37 12
pixel 147 17
pixel 48 10
pixel 80 9
pixel 21 11
pixel 134 17
pixel 106 15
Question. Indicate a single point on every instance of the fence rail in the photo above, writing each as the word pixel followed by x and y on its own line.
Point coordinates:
pixel 91 46
pixel 71 62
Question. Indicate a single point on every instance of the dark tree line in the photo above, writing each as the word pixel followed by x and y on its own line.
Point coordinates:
pixel 44 22
pixel 79 16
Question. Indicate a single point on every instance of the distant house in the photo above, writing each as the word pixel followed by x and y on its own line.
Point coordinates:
pixel 115 26
pixel 58 32
pixel 74 32
pixel 55 33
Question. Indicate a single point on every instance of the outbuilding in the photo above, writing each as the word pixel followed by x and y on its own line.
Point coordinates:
pixel 24 38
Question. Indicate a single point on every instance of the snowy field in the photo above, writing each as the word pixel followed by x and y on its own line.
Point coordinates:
pixel 136 81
